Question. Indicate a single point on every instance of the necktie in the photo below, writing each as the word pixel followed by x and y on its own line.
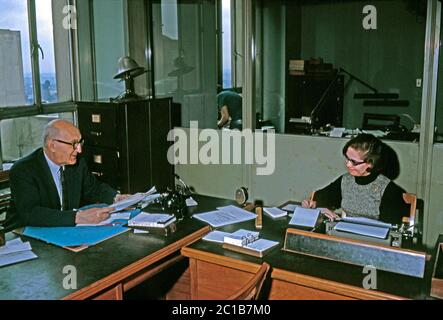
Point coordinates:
pixel 64 189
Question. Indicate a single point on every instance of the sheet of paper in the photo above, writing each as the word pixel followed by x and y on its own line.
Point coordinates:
pixel 262 245
pixel 14 246
pixel 15 257
pixel 218 218
pixel 190 202
pixel 337 132
pixel 234 210
pixel 371 231
pixel 216 236
pixel 305 217
pixel 132 200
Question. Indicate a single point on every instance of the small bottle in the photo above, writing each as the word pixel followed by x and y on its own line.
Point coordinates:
pixel 259 212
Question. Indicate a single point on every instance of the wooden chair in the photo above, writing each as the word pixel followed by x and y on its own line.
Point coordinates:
pixel 251 290
pixel 411 199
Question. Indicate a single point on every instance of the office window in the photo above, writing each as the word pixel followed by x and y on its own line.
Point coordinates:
pixel 316 56
pixel 438 134
pixel 45 36
pixel 21 136
pixel 231 44
pixel 16 87
pixel 109 19
pixel 226 45
pixel 184 57
pixel 51 46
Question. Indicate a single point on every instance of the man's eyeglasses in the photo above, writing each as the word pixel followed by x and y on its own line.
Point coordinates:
pixel 74 144
pixel 353 162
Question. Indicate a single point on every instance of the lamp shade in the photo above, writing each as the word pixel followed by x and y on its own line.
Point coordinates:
pixel 128 67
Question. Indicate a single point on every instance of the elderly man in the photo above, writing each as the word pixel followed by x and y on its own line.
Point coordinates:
pixel 50 184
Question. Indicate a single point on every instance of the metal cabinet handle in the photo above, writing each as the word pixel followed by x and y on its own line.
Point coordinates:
pixel 96 133
pixel 98 174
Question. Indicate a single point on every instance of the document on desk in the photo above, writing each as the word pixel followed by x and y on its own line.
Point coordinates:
pixel 275 213
pixel 366 221
pixel 155 220
pixel 132 200
pixel 362 229
pixel 225 216
pixel 305 217
pixel 15 251
pixel 216 236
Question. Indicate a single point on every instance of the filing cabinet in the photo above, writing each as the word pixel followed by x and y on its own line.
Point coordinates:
pixel 126 143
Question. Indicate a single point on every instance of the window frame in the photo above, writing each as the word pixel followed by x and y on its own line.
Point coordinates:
pixel 37 108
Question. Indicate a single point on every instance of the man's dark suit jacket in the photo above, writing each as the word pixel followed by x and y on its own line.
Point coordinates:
pixel 35 200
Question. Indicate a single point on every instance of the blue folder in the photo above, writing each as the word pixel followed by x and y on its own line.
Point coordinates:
pixel 73 236
pixel 78 236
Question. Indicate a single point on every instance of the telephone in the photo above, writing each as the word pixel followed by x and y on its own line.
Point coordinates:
pixel 175 200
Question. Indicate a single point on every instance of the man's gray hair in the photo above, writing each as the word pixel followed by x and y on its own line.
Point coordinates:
pixel 50 132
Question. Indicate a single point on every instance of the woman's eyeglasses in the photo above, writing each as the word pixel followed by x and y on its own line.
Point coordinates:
pixel 74 144
pixel 354 163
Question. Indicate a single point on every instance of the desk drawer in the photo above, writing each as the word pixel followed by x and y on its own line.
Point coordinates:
pixel 98 125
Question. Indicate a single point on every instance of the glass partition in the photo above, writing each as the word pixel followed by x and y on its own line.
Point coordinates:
pixel 325 64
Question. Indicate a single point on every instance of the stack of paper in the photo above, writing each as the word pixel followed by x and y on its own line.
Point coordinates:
pixel 15 251
pixel 304 217
pixel 275 213
pixel 152 220
pixel 364 226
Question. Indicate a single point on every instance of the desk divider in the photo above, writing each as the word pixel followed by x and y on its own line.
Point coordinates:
pixel 356 252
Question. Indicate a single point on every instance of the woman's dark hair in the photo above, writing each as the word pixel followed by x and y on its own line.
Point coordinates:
pixel 371 148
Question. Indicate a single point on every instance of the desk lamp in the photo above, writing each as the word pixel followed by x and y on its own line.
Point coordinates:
pixel 128 69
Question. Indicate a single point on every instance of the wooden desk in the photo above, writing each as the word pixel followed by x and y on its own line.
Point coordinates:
pixel 104 271
pixel 216 273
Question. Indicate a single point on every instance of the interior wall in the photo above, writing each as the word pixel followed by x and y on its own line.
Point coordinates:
pixel 434 224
